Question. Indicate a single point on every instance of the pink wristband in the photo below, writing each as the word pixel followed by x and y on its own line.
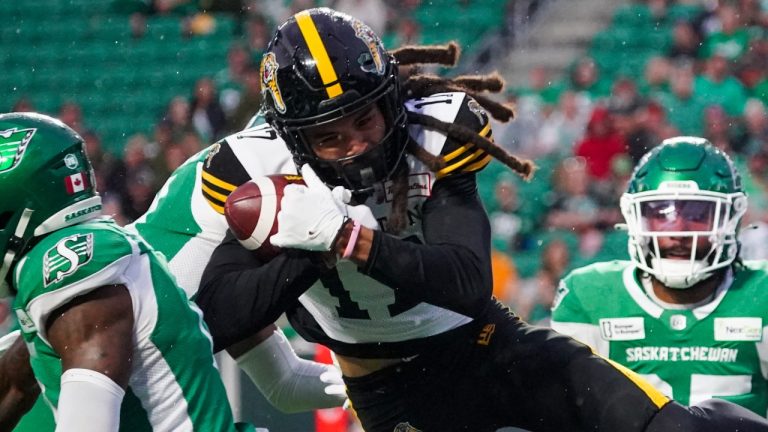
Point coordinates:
pixel 352 240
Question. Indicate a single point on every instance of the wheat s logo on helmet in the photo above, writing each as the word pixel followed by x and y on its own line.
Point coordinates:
pixel 364 33
pixel 13 143
pixel 68 255
pixel 269 68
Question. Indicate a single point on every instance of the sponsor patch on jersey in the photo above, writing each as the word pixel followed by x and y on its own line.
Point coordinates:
pixel 13 143
pixel 419 185
pixel 365 34
pixel 25 322
pixel 739 329
pixel 269 67
pixel 622 329
pixel 69 254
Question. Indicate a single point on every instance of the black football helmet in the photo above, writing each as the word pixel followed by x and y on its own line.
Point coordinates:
pixel 322 65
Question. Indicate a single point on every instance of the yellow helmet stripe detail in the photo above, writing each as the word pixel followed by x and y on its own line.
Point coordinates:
pixel 318 51
pixel 217 182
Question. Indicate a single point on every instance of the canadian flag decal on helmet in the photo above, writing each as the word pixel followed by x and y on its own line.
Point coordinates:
pixel 76 182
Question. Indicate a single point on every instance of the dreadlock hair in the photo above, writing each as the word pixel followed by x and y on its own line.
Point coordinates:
pixel 421 85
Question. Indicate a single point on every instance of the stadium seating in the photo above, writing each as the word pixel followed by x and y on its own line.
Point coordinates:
pixel 79 50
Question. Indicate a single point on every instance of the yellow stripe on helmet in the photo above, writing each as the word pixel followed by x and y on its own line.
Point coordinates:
pixel 319 53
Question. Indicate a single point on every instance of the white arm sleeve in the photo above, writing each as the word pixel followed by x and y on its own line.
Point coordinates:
pixel 8 340
pixel 89 402
pixel 289 382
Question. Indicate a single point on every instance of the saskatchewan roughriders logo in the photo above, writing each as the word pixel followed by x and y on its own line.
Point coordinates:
pixel 67 256
pixel 13 143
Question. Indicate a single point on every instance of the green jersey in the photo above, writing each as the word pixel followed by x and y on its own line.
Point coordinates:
pixel 174 384
pixel 714 349
pixel 181 225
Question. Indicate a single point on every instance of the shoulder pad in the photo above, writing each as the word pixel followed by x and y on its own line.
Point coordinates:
pixel 222 173
pixel 69 263
pixel 240 157
pixel 459 109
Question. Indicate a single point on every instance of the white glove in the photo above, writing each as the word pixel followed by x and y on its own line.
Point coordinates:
pixel 361 213
pixel 310 218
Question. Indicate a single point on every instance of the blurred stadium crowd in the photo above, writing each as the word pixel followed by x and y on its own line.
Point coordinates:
pixel 184 73
pixel 660 69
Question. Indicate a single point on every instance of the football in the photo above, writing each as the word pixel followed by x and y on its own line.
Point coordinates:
pixel 251 212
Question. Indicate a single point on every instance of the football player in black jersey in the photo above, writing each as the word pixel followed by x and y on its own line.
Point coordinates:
pixel 387 251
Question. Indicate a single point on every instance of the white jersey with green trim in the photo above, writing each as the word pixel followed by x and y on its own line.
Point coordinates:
pixel 717 349
pixel 174 384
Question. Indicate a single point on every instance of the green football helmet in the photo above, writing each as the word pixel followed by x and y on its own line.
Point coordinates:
pixel 684 188
pixel 46 182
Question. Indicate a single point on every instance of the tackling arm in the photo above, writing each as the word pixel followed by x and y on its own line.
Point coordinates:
pixel 240 295
pixel 240 298
pixel 290 383
pixel 93 335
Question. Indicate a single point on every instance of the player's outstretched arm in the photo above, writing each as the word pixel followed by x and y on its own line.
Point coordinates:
pixel 93 335
pixel 290 383
pixel 18 387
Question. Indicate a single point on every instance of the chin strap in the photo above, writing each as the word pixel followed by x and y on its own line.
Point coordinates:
pixel 679 274
pixel 14 243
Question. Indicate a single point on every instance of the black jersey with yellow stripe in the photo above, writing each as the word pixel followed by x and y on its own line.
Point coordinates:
pixel 411 291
